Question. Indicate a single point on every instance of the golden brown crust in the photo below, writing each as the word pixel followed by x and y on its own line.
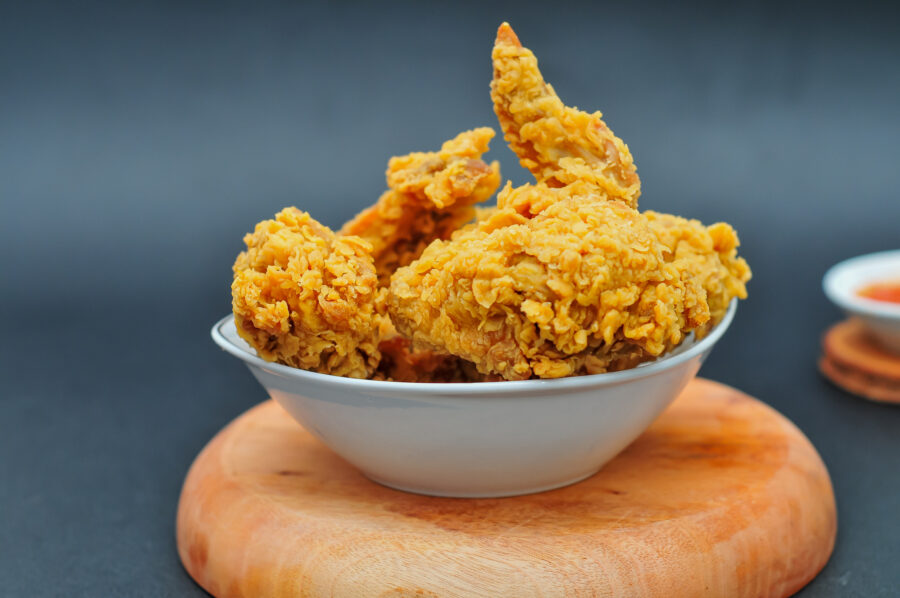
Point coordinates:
pixel 430 195
pixel 705 256
pixel 585 285
pixel 523 297
pixel 307 298
pixel 557 143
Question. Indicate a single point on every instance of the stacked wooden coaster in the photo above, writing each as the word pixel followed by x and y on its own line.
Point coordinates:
pixel 857 363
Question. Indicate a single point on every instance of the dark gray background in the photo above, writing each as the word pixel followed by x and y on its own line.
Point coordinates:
pixel 138 143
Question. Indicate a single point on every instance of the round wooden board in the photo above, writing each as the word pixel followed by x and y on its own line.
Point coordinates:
pixel 856 363
pixel 721 496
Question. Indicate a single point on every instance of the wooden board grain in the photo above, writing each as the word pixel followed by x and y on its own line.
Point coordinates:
pixel 721 496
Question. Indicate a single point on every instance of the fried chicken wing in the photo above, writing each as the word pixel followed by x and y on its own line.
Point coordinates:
pixel 305 297
pixel 586 285
pixel 430 195
pixel 580 287
pixel 564 277
pixel 557 143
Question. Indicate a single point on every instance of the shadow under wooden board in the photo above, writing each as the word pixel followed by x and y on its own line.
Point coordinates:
pixel 721 496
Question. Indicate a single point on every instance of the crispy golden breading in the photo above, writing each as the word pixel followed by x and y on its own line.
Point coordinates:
pixel 305 297
pixel 558 144
pixel 484 212
pixel 536 297
pixel 581 285
pixel 705 255
pixel 430 195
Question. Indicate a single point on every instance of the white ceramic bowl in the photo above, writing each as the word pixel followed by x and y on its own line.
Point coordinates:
pixel 478 439
pixel 843 281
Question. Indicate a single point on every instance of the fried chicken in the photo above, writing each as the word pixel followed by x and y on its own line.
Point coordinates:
pixel 306 297
pixel 580 287
pixel 564 277
pixel 557 143
pixel 430 195
pixel 401 362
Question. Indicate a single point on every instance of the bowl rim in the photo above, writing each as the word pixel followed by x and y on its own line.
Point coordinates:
pixel 476 388
pixel 847 299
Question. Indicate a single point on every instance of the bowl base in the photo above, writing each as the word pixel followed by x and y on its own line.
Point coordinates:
pixel 496 493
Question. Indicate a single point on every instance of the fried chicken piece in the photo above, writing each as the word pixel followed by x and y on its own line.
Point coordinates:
pixel 557 143
pixel 564 277
pixel 524 297
pixel 304 297
pixel 564 281
pixel 430 195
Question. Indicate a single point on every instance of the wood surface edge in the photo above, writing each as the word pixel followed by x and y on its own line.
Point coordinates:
pixel 859 384
pixel 215 494
pixel 193 548
pixel 825 510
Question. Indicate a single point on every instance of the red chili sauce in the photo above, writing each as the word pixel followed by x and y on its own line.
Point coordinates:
pixel 888 291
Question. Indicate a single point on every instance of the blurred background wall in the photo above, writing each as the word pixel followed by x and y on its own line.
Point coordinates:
pixel 149 137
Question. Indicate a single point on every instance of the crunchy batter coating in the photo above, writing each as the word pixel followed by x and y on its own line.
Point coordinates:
pixel 557 143
pixel 524 297
pixel 305 297
pixel 584 285
pixel 430 195
pixel 704 255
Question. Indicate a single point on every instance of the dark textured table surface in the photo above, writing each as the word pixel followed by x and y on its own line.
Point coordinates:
pixel 139 142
